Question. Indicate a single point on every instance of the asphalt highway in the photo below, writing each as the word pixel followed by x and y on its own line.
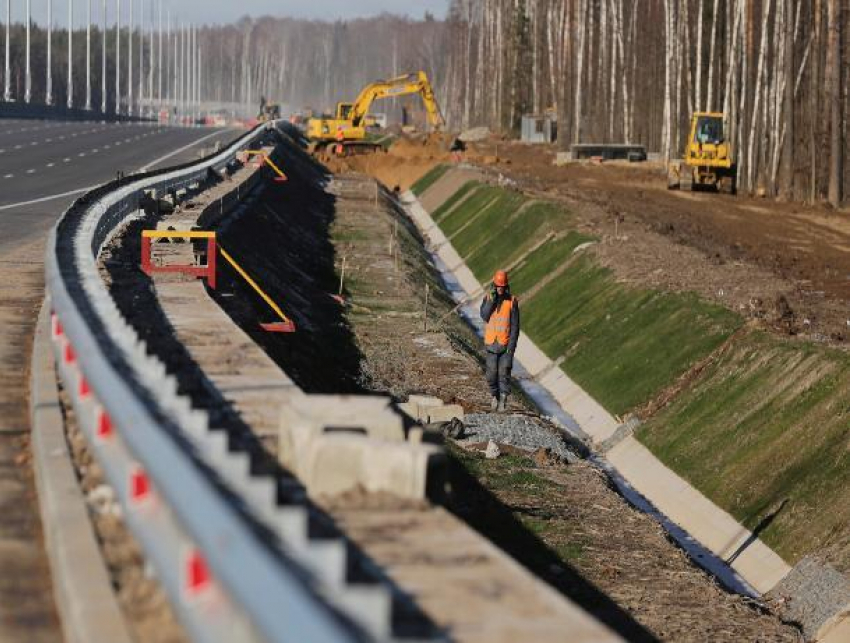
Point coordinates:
pixel 44 166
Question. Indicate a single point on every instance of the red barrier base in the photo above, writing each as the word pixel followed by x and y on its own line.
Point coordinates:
pixel 279 327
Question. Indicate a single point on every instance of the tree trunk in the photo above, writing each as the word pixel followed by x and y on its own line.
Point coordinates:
pixel 836 144
pixel 787 187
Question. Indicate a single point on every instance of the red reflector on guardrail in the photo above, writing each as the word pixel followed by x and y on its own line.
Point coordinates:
pixel 104 424
pixel 69 355
pixel 57 325
pixel 198 576
pixel 140 486
pixel 84 388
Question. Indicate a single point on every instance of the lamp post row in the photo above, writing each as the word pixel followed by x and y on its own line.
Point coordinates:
pixel 180 57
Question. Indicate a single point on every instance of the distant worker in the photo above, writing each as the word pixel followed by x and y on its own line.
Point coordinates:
pixel 457 149
pixel 500 313
pixel 340 138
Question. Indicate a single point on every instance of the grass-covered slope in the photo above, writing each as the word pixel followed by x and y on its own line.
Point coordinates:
pixel 621 344
pixel 765 421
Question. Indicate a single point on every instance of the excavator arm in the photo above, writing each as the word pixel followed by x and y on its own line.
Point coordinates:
pixel 416 83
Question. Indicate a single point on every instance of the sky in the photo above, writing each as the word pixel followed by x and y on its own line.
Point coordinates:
pixel 225 11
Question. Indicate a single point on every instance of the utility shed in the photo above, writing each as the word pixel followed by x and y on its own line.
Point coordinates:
pixel 539 128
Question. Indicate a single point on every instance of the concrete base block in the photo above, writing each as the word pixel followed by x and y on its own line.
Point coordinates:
pixel 444 413
pixel 336 443
pixel 336 463
pixel 428 410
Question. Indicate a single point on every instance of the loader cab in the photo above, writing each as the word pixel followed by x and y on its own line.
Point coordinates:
pixel 708 130
pixel 707 145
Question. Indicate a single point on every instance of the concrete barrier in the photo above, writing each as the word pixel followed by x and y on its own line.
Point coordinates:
pixel 338 443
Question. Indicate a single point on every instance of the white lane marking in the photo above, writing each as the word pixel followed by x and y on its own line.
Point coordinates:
pixel 81 154
pixel 178 151
pixel 46 198
pixel 33 143
pixel 48 140
pixel 17 147
pixel 95 151
pixel 9 176
pixel 2 151
pixel 106 147
pixel 66 160
pixel 30 171
pixel 51 164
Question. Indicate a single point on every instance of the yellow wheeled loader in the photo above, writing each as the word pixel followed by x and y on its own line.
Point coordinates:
pixel 708 158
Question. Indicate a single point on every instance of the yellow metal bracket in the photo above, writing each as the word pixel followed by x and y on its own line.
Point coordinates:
pixel 265 159
pixel 286 325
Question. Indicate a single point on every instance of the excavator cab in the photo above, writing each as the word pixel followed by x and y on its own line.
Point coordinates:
pixel 708 158
pixel 343 111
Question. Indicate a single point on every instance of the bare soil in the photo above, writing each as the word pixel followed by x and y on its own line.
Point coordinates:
pixel 27 610
pixel 611 559
pixel 400 167
pixel 784 264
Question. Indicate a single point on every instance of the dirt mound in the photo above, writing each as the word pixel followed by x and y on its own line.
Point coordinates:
pixel 408 159
pixel 432 147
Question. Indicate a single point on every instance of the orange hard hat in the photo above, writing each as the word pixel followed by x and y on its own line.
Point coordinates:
pixel 500 278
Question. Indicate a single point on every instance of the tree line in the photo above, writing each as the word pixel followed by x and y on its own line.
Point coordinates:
pixel 635 70
pixel 612 70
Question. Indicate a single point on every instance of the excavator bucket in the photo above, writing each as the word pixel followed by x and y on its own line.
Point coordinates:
pixel 279 327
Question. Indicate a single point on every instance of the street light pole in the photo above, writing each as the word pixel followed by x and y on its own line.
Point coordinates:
pixel 159 54
pixel 70 54
pixel 150 63
pixel 48 97
pixel 28 70
pixel 103 57
pixel 88 57
pixel 130 65
pixel 117 57
pixel 7 86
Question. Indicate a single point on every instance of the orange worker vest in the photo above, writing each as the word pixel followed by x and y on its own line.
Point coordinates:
pixel 498 329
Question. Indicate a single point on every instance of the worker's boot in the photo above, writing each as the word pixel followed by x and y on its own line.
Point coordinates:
pixel 503 403
pixel 494 403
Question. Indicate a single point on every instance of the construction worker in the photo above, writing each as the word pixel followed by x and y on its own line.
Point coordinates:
pixel 500 313
pixel 340 138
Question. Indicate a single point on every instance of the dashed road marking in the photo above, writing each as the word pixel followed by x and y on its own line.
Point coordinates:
pixel 51 164
pixel 81 154
pixel 30 171
pixel 66 160
pixel 9 176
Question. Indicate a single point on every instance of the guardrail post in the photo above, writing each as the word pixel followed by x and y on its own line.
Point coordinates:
pixel 146 255
pixel 211 262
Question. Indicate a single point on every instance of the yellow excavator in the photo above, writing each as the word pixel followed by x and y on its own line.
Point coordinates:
pixel 708 158
pixel 348 127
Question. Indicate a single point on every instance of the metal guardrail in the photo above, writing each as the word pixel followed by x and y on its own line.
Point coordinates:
pixel 186 497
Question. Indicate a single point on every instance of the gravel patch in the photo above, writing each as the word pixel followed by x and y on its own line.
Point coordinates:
pixel 521 431
pixel 811 594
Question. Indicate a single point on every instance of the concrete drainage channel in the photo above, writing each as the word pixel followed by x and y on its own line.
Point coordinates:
pixel 241 553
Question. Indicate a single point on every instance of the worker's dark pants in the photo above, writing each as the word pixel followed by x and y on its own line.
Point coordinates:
pixel 498 369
